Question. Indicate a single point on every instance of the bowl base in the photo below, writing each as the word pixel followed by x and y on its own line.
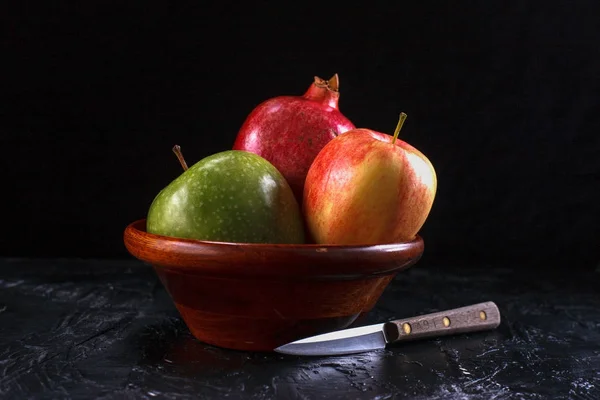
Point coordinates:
pixel 255 334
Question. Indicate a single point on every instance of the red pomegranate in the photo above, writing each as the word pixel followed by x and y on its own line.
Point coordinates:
pixel 289 131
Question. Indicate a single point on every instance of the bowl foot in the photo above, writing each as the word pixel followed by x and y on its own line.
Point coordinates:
pixel 255 334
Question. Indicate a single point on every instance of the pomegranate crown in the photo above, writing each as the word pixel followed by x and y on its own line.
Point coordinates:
pixel 332 84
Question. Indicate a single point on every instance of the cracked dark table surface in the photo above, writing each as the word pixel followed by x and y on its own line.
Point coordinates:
pixel 85 329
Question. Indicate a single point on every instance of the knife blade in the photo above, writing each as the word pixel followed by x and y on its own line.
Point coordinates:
pixel 472 318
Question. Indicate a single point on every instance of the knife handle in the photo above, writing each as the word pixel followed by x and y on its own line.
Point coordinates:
pixel 473 318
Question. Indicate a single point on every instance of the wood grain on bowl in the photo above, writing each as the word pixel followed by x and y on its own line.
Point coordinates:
pixel 258 296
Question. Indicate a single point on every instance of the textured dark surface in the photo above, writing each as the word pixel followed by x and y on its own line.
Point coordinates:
pixel 94 329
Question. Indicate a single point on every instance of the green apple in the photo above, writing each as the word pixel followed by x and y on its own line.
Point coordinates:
pixel 231 196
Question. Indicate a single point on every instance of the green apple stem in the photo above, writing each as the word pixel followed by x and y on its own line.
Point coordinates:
pixel 179 154
pixel 399 126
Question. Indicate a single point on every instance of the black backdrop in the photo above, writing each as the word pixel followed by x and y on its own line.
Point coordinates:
pixel 503 97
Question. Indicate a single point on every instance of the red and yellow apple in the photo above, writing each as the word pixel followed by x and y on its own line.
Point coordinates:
pixel 367 187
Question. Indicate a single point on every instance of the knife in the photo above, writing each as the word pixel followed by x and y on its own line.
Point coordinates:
pixel 473 318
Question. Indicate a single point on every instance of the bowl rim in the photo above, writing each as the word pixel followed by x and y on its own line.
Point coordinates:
pixel 186 254
pixel 135 225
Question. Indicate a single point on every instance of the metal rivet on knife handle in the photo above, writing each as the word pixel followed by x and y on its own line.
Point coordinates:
pixel 477 317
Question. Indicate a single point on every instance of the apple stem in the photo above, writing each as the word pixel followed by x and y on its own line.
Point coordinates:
pixel 177 151
pixel 399 126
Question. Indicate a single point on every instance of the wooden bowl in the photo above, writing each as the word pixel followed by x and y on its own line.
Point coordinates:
pixel 248 296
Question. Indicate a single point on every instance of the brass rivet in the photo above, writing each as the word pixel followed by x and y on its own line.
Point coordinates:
pixel 482 315
pixel 446 321
pixel 406 328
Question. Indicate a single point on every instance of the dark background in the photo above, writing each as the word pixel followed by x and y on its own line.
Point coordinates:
pixel 503 97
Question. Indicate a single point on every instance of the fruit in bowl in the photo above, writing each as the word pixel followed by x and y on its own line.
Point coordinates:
pixel 289 131
pixel 231 196
pixel 367 187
